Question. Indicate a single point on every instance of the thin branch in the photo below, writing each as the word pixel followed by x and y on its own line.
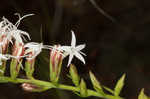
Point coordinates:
pixel 102 11
pixel 49 85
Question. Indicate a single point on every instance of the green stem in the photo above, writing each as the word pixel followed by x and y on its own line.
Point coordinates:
pixel 49 85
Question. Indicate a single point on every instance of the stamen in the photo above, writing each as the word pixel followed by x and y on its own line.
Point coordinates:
pixel 20 18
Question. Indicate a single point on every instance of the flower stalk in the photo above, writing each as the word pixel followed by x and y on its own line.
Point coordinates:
pixel 49 85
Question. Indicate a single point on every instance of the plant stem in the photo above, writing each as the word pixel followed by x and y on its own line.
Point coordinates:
pixel 49 85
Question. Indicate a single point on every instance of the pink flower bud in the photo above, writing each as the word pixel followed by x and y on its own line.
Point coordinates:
pixel 55 63
pixel 18 50
pixel 31 87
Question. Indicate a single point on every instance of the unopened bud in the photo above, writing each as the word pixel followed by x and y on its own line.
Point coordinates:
pixel 55 64
pixel 31 87
pixel 3 49
pixel 74 75
pixel 29 66
pixel 83 88
pixel 15 65
pixel 96 83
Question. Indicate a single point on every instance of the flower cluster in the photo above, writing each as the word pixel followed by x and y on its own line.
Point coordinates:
pixel 26 52
pixel 10 34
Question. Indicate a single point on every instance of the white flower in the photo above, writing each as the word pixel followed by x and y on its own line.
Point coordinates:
pixel 34 49
pixel 10 30
pixel 18 35
pixel 5 26
pixel 73 50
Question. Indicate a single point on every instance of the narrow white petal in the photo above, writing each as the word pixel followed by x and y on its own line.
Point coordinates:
pixel 25 33
pixel 70 59
pixel 80 47
pixel 80 57
pixel 65 48
pixel 73 41
pixel 32 44
pixel 47 47
pixel 18 22
pixel 82 53
pixel 3 57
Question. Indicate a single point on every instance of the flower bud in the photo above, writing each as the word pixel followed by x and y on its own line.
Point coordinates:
pixel 3 49
pixel 96 83
pixel 74 75
pixel 32 50
pixel 15 65
pixel 3 44
pixel 83 88
pixel 55 64
pixel 32 87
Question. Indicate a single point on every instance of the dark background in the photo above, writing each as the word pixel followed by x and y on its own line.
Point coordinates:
pixel 112 47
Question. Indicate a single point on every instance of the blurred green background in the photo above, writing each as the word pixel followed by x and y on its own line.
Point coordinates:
pixel 112 48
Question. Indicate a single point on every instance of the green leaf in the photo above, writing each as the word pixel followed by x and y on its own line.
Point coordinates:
pixel 142 95
pixel 96 84
pixel 119 86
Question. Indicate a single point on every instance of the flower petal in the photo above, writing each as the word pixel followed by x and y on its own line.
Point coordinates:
pixel 34 48
pixel 73 41
pixel 80 57
pixel 25 33
pixel 20 18
pixel 70 59
pixel 65 48
pixel 80 47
